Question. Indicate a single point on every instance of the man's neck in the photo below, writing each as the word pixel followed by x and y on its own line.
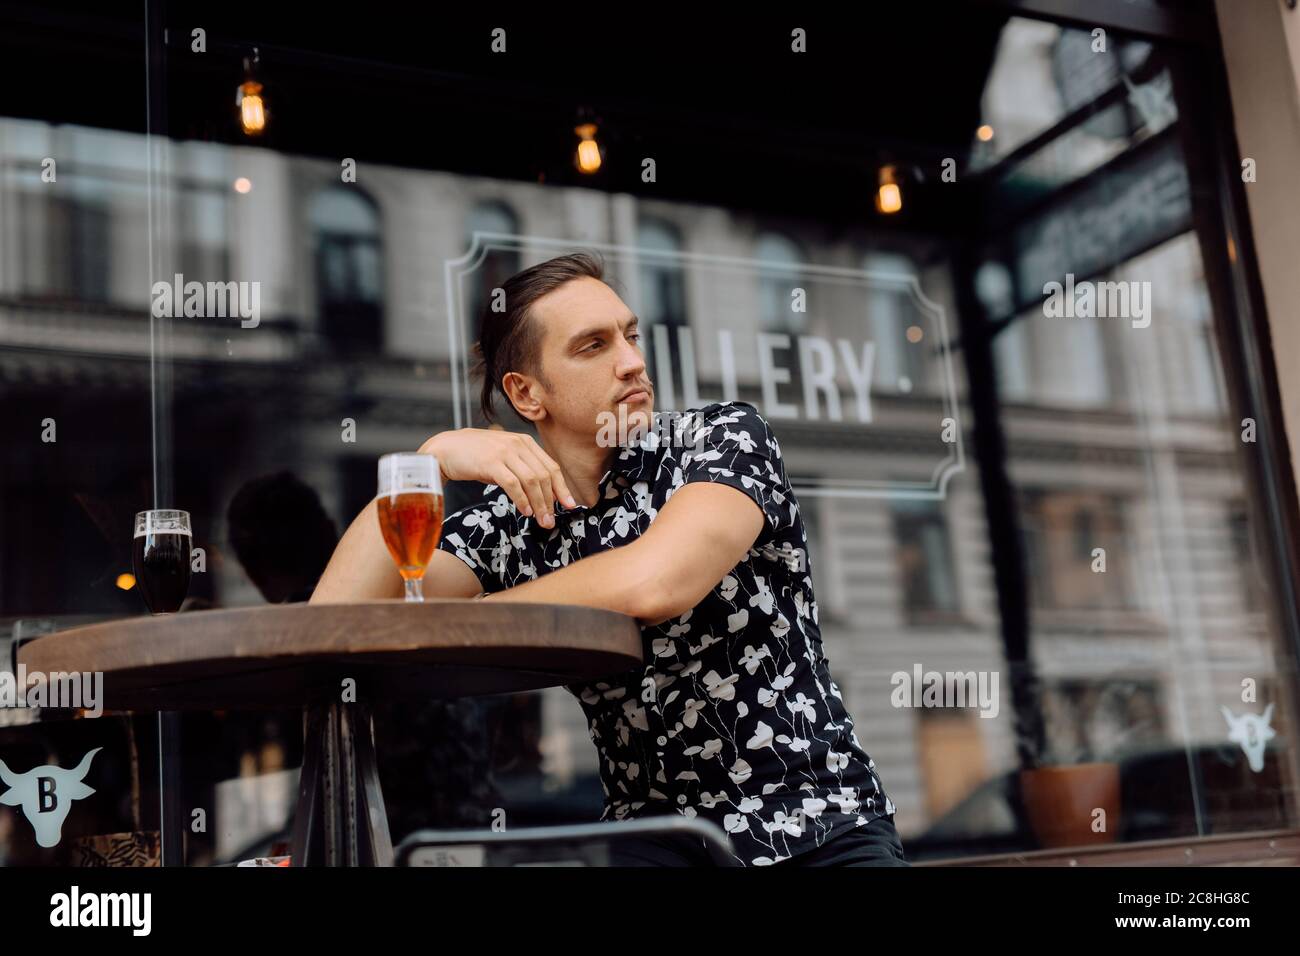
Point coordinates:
pixel 582 463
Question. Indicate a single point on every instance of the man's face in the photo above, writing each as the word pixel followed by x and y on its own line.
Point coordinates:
pixel 592 357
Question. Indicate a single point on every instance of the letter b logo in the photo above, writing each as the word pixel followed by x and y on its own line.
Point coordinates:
pixel 46 800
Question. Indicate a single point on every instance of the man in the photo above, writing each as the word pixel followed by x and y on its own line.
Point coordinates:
pixel 734 717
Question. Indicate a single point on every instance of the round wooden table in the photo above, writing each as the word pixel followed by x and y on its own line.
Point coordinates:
pixel 334 659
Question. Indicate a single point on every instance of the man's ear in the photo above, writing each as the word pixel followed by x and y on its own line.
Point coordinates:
pixel 524 393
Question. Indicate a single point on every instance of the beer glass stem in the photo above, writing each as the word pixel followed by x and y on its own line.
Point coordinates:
pixel 414 589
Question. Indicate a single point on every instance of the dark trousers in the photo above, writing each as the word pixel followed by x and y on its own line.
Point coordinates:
pixel 874 844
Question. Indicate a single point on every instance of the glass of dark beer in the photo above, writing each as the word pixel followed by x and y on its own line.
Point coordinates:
pixel 161 554
pixel 410 514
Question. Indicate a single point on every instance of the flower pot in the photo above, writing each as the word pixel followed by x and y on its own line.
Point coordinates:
pixel 1061 802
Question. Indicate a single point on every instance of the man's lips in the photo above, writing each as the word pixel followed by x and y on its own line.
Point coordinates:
pixel 639 395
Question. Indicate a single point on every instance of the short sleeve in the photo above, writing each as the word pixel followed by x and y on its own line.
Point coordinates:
pixel 473 534
pixel 732 444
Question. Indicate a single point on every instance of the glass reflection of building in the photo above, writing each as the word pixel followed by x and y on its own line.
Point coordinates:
pixel 1118 442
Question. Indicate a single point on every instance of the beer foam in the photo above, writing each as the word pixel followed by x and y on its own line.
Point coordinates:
pixel 149 528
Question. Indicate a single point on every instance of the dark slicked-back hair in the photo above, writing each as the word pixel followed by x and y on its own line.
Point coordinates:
pixel 510 341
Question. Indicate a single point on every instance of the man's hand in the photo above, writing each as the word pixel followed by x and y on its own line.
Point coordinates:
pixel 516 462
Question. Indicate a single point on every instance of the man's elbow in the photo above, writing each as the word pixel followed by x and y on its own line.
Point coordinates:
pixel 660 596
pixel 660 612
pixel 667 586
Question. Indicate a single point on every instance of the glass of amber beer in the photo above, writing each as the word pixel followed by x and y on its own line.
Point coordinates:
pixel 410 513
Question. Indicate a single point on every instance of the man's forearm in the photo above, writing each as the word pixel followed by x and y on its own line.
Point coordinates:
pixel 360 568
pixel 616 580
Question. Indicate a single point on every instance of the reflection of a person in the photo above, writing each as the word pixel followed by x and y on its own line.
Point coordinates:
pixel 281 535
pixel 433 755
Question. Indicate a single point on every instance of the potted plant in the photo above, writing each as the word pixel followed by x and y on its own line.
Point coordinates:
pixel 1072 798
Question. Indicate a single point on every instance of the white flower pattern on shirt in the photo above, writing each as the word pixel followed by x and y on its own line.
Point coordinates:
pixel 733 717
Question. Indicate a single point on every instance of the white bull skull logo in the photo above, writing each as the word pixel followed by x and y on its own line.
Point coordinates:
pixel 46 794
pixel 1252 732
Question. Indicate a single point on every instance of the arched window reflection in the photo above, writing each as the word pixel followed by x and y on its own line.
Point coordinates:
pixel 891 309
pixel 1011 348
pixel 780 262
pixel 349 268
pixel 68 254
pixel 780 265
pixel 663 296
pixel 498 265
pixel 663 285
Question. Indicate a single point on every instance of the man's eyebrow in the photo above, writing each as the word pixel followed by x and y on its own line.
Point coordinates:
pixel 600 329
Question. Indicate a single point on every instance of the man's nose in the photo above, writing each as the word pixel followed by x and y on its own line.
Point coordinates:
pixel 631 362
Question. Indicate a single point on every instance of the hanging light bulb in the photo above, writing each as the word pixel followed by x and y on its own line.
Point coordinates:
pixel 252 108
pixel 587 158
pixel 889 197
pixel 252 111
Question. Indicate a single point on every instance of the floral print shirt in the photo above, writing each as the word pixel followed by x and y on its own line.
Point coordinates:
pixel 734 717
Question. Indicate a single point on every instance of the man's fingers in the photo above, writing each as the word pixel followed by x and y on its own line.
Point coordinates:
pixel 519 479
pixel 558 486
pixel 552 480
pixel 543 476
pixel 533 480
pixel 527 473
pixel 511 485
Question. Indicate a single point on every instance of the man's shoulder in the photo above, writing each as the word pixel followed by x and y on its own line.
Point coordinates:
pixel 728 407
pixel 726 423
pixel 731 412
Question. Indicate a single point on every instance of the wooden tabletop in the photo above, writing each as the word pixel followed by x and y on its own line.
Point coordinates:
pixel 286 654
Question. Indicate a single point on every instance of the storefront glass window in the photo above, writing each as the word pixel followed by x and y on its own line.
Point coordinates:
pixel 1120 614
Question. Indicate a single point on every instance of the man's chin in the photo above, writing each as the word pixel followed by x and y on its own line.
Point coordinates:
pixel 640 417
